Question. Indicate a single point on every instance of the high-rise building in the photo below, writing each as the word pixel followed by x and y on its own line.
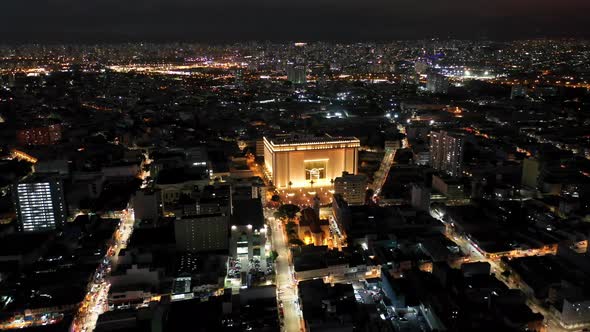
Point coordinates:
pixel 248 232
pixel 437 83
pixel 204 225
pixel 351 187
pixel 202 233
pixel 239 77
pixel 446 152
pixel 40 203
pixel 309 161
pixel 296 74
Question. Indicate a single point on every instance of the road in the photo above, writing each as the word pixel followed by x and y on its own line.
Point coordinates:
pixel 286 285
pixel 96 301
pixel 551 322
pixel 383 172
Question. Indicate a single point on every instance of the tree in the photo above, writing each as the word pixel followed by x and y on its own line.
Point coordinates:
pixel 288 210
pixel 290 184
pixel 296 242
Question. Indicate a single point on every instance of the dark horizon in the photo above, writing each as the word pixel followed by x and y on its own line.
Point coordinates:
pixel 222 42
pixel 67 21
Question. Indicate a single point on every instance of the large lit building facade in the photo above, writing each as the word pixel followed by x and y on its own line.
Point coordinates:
pixel 309 161
pixel 40 204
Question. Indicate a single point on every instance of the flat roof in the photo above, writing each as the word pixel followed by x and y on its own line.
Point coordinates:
pixel 248 212
pixel 291 140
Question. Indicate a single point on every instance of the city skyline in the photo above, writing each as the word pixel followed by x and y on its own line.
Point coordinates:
pixel 294 166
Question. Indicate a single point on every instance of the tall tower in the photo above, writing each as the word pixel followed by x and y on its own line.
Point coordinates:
pixel 446 152
pixel 296 74
pixel 437 83
pixel 40 203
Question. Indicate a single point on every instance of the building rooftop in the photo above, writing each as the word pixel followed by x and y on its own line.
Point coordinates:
pixel 248 212
pixel 180 175
pixel 308 140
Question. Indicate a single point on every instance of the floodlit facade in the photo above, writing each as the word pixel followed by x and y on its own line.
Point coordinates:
pixel 312 161
pixel 40 204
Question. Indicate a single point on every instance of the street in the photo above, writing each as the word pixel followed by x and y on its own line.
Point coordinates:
pixel 383 172
pixel 475 255
pixel 286 285
pixel 96 301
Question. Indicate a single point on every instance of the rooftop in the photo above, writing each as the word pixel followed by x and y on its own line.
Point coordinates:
pixel 309 140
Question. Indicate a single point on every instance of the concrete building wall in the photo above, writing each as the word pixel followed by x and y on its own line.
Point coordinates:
pixel 575 312
pixel 202 233
pixel 248 243
pixel 530 173
pixel 147 204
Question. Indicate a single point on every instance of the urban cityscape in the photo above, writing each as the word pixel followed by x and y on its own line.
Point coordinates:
pixel 425 184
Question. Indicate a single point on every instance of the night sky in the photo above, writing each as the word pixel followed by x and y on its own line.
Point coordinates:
pixel 233 20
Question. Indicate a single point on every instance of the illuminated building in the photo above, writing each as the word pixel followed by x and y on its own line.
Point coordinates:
pixel 296 74
pixel 23 155
pixel 446 152
pixel 312 230
pixel 309 161
pixel 239 77
pixel 437 83
pixel 40 204
pixel 351 187
pixel 41 135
